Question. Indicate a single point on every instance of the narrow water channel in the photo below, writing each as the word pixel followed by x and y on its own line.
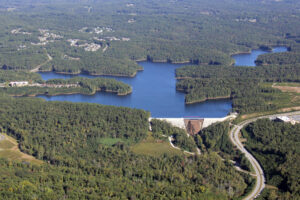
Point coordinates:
pixel 248 59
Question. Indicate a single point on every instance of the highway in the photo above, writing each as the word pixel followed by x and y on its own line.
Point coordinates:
pixel 234 137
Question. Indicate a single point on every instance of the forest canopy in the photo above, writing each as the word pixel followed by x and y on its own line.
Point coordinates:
pixel 100 37
pixel 244 85
pixel 276 147
pixel 79 163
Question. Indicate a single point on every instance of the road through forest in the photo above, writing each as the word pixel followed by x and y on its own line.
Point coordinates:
pixel 234 137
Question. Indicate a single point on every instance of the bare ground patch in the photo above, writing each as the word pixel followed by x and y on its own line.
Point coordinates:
pixel 282 110
pixel 296 99
pixel 287 88
pixel 9 149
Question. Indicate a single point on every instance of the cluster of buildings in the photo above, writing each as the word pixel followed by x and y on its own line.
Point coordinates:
pixel 21 47
pixel 46 37
pixel 112 39
pixel 251 20
pixel 87 46
pixel 131 21
pixel 19 31
pixel 93 46
pixel 130 5
pixel 96 30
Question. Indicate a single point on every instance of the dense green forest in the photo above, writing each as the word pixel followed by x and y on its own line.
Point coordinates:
pixel 80 164
pixel 243 84
pixel 276 146
pixel 109 36
pixel 278 58
pixel 248 87
pixel 80 61
pixel 215 139
pixel 13 75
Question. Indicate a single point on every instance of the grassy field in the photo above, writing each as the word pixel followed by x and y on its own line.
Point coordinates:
pixel 285 98
pixel 154 147
pixel 109 141
pixel 9 150
pixel 289 84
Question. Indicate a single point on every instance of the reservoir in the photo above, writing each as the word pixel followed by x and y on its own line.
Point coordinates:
pixel 154 90
pixel 248 59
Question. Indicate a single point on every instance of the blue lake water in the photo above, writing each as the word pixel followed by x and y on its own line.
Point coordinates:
pixel 249 58
pixel 154 90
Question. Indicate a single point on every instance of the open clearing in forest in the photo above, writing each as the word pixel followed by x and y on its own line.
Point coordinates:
pixel 287 100
pixel 9 150
pixel 154 147
pixel 109 141
pixel 287 87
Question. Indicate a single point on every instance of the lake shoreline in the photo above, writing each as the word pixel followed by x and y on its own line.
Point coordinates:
pixel 239 57
pixel 116 75
pixel 70 93
pixel 207 99
pixel 163 61
pixel 256 49
pixel 92 74
pixel 153 90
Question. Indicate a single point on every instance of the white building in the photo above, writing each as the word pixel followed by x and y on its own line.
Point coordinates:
pixel 18 83
pixel 286 120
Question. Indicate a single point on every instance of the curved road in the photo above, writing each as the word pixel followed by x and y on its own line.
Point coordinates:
pixel 234 137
